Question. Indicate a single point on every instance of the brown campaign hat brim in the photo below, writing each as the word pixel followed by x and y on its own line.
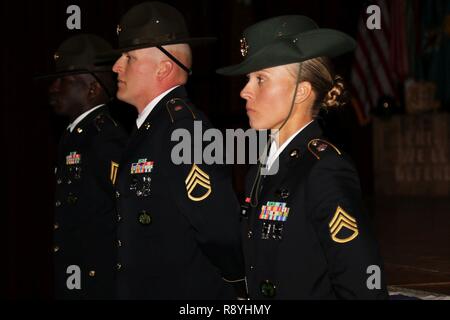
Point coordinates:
pixel 279 53
pixel 61 74
pixel 297 48
pixel 76 55
pixel 113 55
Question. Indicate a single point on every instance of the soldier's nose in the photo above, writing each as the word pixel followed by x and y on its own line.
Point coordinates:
pixel 245 94
pixel 117 68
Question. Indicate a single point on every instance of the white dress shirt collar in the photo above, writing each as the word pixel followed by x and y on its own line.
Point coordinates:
pixel 275 151
pixel 144 114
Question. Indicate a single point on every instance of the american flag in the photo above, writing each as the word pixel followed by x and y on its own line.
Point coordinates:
pixel 380 61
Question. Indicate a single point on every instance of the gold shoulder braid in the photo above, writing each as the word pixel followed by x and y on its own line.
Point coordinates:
pixel 316 146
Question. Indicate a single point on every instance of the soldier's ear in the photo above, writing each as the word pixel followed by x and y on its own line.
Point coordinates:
pixel 165 68
pixel 94 89
pixel 304 91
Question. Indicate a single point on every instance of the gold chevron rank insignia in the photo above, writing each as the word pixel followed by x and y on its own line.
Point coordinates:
pixel 343 227
pixel 113 174
pixel 198 185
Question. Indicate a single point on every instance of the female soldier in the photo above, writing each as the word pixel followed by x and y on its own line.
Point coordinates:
pixel 306 234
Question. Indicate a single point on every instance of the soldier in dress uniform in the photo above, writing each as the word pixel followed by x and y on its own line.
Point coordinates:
pixel 306 234
pixel 178 224
pixel 88 156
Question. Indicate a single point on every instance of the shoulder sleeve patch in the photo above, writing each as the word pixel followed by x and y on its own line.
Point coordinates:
pixel 317 146
pixel 179 109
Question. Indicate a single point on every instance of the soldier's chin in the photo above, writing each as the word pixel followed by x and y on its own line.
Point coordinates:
pixel 256 125
pixel 121 96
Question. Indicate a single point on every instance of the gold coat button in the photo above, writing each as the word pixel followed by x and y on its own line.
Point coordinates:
pixel 56 226
pixel 72 199
pixel 268 289
pixel 144 218
pixel 55 249
pixel 92 273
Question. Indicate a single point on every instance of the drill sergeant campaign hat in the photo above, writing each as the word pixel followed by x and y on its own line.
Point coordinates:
pixel 77 55
pixel 152 24
pixel 284 40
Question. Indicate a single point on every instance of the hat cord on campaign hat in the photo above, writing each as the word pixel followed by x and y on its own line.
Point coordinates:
pixel 293 98
pixel 172 57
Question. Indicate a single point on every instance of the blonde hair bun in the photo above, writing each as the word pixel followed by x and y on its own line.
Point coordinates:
pixel 337 95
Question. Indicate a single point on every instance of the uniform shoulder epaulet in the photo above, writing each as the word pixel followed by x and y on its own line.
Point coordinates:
pixel 102 119
pixel 318 146
pixel 179 109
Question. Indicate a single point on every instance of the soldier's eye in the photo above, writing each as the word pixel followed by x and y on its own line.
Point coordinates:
pixel 128 57
pixel 260 79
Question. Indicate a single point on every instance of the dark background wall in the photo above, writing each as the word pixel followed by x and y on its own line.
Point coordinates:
pixel 31 31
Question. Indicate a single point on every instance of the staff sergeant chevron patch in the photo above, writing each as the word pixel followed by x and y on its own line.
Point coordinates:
pixel 343 227
pixel 198 185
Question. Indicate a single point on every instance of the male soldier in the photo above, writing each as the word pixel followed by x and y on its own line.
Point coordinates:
pixel 178 225
pixel 88 157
